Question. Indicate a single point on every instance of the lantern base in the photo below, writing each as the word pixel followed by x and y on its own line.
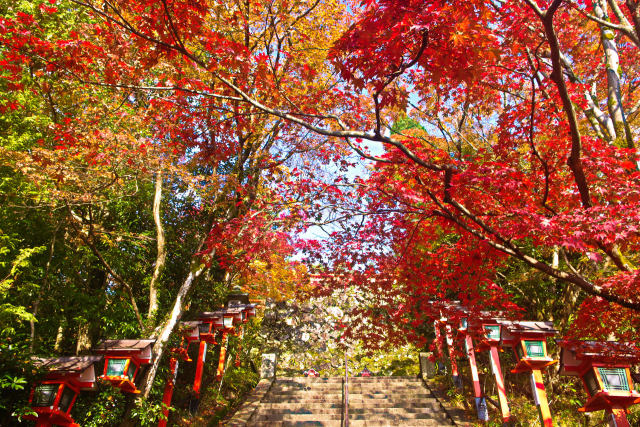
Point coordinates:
pixel 123 383
pixel 209 338
pixel 48 417
pixel 611 399
pixel 457 381
pixel 481 409
pixel 526 365
pixel 182 354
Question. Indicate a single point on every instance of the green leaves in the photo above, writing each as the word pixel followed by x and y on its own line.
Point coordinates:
pixel 22 272
pixel 12 383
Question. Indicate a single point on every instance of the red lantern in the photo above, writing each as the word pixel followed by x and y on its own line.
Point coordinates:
pixel 123 359
pixel 603 367
pixel 190 333
pixel 53 398
pixel 529 343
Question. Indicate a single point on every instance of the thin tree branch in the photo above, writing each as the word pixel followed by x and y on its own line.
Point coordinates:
pixel 87 241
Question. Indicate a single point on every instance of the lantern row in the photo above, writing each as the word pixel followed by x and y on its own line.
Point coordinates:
pixel 53 398
pixel 604 367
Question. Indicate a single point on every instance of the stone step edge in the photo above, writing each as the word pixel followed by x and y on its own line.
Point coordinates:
pixel 251 405
pixel 302 410
pixel 338 404
pixel 324 387
pixel 360 380
pixel 459 417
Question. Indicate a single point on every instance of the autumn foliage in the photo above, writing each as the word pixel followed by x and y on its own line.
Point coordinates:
pixel 500 141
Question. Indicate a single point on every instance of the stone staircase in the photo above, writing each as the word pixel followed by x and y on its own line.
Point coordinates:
pixel 373 401
pixel 393 401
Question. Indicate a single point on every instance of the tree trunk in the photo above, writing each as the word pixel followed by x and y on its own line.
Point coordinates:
pixel 197 267
pixel 634 11
pixel 57 346
pixel 614 97
pixel 162 254
pixel 83 339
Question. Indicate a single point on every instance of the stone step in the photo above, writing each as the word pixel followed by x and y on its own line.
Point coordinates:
pixel 309 379
pixel 300 411
pixel 297 405
pixel 296 424
pixel 398 423
pixel 382 386
pixel 306 400
pixel 435 407
pixel 274 394
pixel 309 395
pixel 385 385
pixel 367 381
pixel 280 392
pixel 297 417
pixel 400 416
pixel 308 383
pixel 418 384
pixel 364 380
pixel 341 377
pixel 390 396
pixel 408 403
pixel 307 388
pixel 386 390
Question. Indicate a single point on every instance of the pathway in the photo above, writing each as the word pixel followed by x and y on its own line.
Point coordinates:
pixel 373 401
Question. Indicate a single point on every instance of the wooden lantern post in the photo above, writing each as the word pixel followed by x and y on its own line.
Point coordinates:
pixel 251 310
pixel 232 316
pixel 528 341
pixel 210 323
pixel 490 340
pixel 123 360
pixel 190 333
pixel 457 381
pixel 603 367
pixel 433 311
pixel 480 401
pixel 449 318
pixel 53 398
pixel 439 345
pixel 238 302
pixel 457 317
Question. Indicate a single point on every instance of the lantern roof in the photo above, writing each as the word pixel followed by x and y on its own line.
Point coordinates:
pixel 435 307
pixel 189 324
pixel 237 297
pixel 123 345
pixel 479 319
pixel 236 312
pixel 76 370
pixel 522 327
pixel 140 350
pixel 603 351
pixel 452 313
pixel 208 315
pixel 71 364
pixel 190 330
